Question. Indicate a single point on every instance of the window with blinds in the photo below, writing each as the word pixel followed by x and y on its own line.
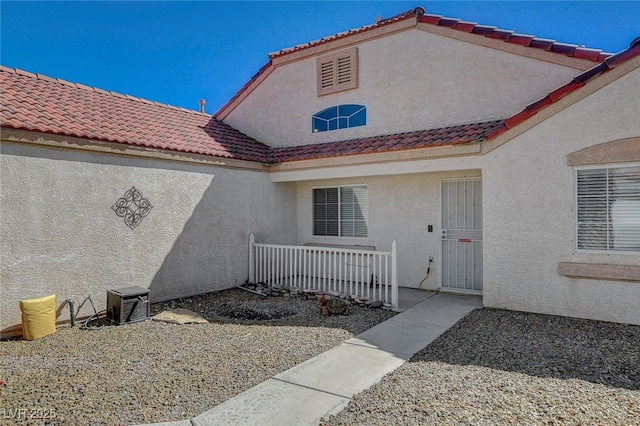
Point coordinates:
pixel 337 71
pixel 608 209
pixel 341 211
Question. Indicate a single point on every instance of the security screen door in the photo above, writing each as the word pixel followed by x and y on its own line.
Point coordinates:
pixel 462 235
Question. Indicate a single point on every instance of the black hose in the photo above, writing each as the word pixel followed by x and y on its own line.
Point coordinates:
pixel 426 276
pixel 100 322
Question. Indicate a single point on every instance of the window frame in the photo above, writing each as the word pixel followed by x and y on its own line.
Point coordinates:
pixel 608 250
pixel 340 204
pixel 332 61
pixel 341 122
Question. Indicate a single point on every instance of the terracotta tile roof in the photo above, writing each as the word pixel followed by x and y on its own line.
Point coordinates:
pixel 42 104
pixel 559 93
pixel 571 50
pixel 454 135
pixel 468 27
pixel 418 11
pixel 39 103
pixel 421 16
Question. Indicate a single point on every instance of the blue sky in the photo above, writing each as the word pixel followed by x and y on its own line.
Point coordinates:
pixel 179 52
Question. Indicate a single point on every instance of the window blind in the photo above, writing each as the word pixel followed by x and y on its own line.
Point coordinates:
pixel 341 211
pixel 608 209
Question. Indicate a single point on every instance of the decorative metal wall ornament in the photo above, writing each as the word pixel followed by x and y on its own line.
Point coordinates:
pixel 133 207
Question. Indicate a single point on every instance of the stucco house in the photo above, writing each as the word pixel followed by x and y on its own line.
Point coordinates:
pixel 511 161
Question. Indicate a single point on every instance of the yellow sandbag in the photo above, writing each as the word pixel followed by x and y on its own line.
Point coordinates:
pixel 38 317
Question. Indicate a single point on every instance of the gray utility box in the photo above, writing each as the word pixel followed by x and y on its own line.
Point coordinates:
pixel 125 305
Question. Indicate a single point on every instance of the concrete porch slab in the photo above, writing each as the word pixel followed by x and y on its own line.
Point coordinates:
pixel 400 339
pixel 409 332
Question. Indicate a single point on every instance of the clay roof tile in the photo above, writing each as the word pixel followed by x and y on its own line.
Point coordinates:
pixel 454 135
pixel 39 103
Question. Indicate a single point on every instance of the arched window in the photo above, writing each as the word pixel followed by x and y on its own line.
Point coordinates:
pixel 339 117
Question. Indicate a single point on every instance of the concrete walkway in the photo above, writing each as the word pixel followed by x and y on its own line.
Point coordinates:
pixel 324 385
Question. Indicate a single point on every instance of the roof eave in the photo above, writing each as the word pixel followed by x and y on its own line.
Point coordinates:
pixel 36 137
pixel 523 45
pixel 410 154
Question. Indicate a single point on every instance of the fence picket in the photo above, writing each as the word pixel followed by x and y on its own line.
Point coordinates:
pixel 364 273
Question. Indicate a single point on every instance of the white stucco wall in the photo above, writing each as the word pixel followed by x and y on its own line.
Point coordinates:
pixel 413 80
pixel 400 208
pixel 529 215
pixel 60 236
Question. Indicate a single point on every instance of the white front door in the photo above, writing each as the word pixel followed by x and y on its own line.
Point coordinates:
pixel 461 235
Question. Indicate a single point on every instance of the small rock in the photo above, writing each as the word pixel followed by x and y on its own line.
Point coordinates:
pixel 337 307
pixel 375 305
pixel 180 316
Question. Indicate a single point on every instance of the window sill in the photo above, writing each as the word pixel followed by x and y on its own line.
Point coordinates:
pixel 599 271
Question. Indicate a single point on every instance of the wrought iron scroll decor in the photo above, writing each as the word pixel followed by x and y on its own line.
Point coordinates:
pixel 132 207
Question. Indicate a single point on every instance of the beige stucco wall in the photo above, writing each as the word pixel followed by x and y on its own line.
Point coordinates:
pixel 400 208
pixel 529 215
pixel 60 236
pixel 528 201
pixel 413 80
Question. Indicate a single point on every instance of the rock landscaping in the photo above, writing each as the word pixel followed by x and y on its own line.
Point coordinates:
pixel 154 371
pixel 333 300
pixel 511 368
pixel 492 367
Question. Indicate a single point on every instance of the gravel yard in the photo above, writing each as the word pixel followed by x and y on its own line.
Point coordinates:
pixel 493 367
pixel 153 371
pixel 511 368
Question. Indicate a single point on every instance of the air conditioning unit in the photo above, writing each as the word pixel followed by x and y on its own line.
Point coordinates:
pixel 127 305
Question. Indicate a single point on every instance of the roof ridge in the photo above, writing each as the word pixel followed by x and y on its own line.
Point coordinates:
pixel 415 12
pixel 571 50
pixel 94 89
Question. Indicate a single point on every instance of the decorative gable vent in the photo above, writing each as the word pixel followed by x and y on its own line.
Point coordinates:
pixel 337 71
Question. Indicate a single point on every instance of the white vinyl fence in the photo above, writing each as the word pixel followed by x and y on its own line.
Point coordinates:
pixel 365 273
